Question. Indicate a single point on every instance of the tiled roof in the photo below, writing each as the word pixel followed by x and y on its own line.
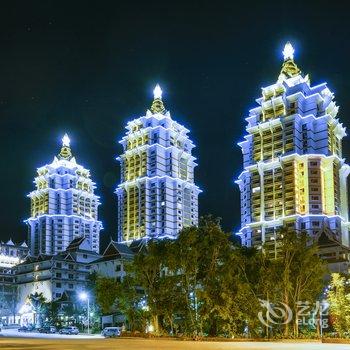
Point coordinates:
pixel 117 249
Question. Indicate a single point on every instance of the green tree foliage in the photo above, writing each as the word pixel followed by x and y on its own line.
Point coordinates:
pixel 198 283
pixel 302 273
pixel 147 270
pixel 131 302
pixel 339 301
pixel 106 293
pixel 202 283
pixel 52 313
pixel 39 305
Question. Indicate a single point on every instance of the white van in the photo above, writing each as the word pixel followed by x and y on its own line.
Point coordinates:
pixel 110 332
pixel 69 330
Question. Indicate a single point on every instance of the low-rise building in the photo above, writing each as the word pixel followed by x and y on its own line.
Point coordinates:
pixel 11 254
pixel 112 262
pixel 52 275
pixel 112 265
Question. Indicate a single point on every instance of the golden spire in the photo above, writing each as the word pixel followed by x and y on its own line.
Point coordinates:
pixel 289 67
pixel 65 152
pixel 157 104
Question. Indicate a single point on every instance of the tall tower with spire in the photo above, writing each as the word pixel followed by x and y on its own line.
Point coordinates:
pixel 294 173
pixel 157 196
pixel 63 205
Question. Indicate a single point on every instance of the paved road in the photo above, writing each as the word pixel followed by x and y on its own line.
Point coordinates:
pixel 13 333
pixel 146 344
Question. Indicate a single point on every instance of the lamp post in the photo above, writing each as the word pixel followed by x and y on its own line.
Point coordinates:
pixel 84 296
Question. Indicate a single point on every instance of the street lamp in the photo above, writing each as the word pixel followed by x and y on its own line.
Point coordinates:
pixel 84 296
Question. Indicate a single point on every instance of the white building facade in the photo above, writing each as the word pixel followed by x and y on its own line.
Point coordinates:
pixel 11 254
pixel 294 173
pixel 112 262
pixel 157 196
pixel 54 275
pixel 63 206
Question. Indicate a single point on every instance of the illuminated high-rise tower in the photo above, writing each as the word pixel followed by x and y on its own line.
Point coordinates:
pixel 63 206
pixel 294 175
pixel 157 196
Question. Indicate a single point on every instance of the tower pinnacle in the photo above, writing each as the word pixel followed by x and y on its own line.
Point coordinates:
pixel 65 140
pixel 157 104
pixel 65 152
pixel 288 51
pixel 157 92
pixel 289 67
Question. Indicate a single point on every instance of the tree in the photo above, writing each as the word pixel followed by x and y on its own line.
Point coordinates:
pixel 339 303
pixel 211 276
pixel 147 270
pixel 106 293
pixel 39 305
pixel 219 279
pixel 202 283
pixel 52 310
pixel 171 302
pixel 131 302
pixel 268 284
pixel 301 273
pixel 183 262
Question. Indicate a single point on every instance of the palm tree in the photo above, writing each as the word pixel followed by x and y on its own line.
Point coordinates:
pixel 38 302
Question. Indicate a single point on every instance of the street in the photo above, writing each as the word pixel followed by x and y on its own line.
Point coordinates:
pixel 35 341
pixel 13 333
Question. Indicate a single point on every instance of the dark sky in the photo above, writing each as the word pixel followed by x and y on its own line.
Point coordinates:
pixel 86 68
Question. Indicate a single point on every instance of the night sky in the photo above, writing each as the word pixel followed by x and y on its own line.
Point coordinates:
pixel 86 68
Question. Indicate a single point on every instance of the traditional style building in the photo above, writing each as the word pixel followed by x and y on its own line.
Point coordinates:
pixel 54 275
pixel 11 254
pixel 113 260
pixel 63 206
pixel 294 172
pixel 112 265
pixel 157 196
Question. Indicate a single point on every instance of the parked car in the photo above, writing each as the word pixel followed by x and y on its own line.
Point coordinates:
pixel 69 330
pixel 48 329
pixel 111 332
pixel 12 326
pixel 26 329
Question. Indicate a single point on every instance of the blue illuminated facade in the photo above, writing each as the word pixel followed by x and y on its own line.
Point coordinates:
pixel 294 176
pixel 63 206
pixel 157 196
